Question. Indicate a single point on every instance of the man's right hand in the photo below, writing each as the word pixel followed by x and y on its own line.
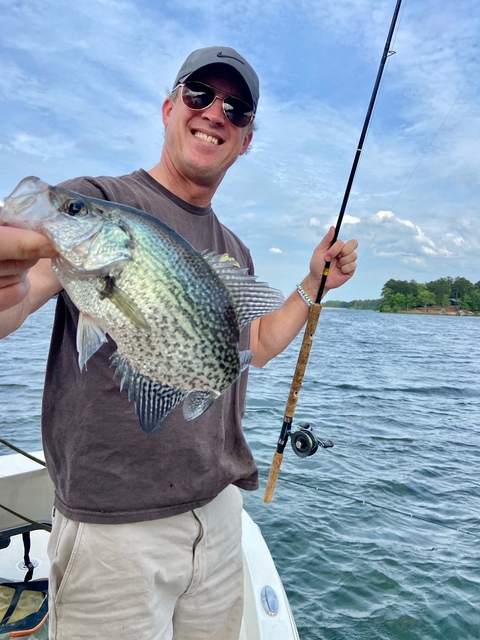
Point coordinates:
pixel 20 249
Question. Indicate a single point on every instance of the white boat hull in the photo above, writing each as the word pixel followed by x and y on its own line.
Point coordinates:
pixel 26 489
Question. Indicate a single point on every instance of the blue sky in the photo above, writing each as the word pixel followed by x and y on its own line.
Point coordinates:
pixel 81 88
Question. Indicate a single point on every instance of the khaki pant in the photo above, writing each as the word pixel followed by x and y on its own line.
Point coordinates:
pixel 176 578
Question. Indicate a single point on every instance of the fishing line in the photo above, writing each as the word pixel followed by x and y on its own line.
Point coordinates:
pixel 22 452
pixel 420 161
pixel 37 523
pixel 376 505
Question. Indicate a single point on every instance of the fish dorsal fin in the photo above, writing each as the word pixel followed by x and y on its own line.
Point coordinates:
pixel 153 400
pixel 90 338
pixel 251 299
pixel 197 402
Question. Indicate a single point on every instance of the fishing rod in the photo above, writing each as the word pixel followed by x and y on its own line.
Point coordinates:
pixel 304 442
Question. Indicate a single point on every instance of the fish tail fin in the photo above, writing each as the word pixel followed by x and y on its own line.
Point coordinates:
pixel 245 359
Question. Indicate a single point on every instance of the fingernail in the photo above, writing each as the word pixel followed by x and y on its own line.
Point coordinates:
pixel 47 251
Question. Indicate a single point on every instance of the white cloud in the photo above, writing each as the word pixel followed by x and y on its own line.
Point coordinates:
pixel 275 250
pixel 458 241
pixel 348 219
pixel 413 260
pixel 44 147
pixel 87 100
pixel 436 251
pixel 381 215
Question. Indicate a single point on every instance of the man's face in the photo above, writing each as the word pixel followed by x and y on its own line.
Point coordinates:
pixel 202 145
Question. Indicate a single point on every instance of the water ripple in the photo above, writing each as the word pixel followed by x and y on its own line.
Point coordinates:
pixel 377 538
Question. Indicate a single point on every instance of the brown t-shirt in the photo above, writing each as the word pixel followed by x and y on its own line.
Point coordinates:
pixel 104 467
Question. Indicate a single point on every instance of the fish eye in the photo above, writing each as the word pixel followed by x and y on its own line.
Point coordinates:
pixel 74 207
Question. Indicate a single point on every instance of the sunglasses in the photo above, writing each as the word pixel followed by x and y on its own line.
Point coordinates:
pixel 199 96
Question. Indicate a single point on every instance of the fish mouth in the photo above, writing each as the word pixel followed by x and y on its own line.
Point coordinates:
pixel 23 198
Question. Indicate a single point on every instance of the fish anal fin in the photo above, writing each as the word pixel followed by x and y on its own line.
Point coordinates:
pixel 153 400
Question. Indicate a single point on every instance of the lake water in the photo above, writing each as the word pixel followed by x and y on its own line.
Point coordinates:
pixel 379 536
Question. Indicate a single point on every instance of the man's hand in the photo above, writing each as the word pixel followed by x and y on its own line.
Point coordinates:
pixel 20 249
pixel 342 257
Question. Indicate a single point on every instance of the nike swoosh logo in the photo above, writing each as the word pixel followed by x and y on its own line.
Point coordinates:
pixel 220 54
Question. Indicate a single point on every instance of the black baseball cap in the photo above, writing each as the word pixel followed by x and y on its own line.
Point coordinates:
pixel 221 55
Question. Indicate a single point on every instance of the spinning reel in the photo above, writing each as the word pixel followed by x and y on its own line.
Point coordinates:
pixel 305 443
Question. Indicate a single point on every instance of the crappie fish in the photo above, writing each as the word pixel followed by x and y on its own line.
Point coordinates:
pixel 174 313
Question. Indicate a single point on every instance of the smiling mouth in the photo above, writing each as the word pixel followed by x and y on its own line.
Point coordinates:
pixel 207 138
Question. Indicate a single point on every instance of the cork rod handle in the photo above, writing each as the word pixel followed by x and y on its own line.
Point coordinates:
pixel 296 385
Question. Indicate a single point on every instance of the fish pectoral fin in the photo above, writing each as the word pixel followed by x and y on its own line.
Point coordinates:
pixel 90 338
pixel 124 303
pixel 197 402
pixel 153 400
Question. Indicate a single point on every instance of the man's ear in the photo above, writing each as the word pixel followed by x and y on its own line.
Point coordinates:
pixel 167 107
pixel 246 142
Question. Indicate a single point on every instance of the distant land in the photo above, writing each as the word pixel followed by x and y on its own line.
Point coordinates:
pixel 448 296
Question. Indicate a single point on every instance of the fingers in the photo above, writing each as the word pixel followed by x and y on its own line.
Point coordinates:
pixel 348 267
pixel 340 255
pixel 346 259
pixel 24 245
pixel 349 247
pixel 342 250
pixel 13 293
pixel 20 249
pixel 327 240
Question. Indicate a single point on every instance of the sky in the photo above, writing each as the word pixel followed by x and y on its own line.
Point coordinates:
pixel 82 84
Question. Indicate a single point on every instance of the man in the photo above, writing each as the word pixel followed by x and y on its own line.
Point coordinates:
pixel 146 541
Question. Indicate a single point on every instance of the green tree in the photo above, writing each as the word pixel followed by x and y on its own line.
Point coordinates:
pixel 441 288
pixel 401 286
pixel 403 294
pixel 386 299
pixel 426 298
pixel 445 302
pixel 411 301
pixel 364 304
pixel 412 288
pixel 389 288
pixel 461 287
pixel 398 301
pixel 471 301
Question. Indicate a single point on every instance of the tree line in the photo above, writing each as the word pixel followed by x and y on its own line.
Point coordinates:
pixel 401 295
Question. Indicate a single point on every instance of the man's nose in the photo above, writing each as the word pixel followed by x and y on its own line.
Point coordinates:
pixel 215 112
